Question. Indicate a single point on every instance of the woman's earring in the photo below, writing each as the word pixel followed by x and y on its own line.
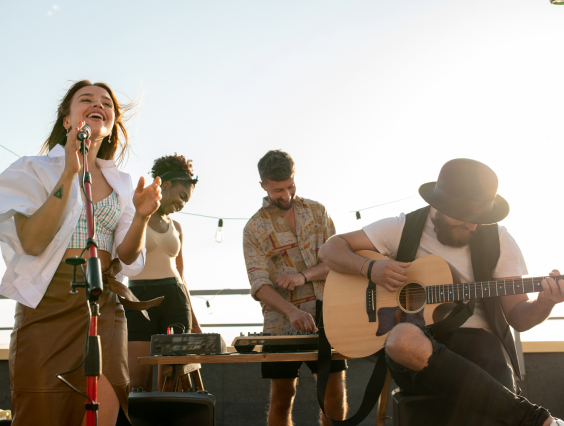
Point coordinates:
pixel 110 138
pixel 67 131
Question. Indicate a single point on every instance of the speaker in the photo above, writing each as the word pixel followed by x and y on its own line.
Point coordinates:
pixel 172 408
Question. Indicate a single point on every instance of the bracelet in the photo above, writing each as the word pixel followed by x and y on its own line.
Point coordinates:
pixel 360 270
pixel 305 278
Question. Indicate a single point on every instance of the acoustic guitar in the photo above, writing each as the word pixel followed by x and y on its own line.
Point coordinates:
pixel 358 317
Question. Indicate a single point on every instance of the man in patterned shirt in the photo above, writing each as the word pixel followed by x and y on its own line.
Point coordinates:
pixel 281 244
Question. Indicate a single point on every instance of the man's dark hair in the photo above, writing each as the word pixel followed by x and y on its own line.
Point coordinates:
pixel 277 166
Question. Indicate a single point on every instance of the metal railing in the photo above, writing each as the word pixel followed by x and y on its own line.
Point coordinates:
pixel 223 292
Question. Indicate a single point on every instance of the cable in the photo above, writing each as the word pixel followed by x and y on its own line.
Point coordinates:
pixel 9 150
pixel 180 325
pixel 215 217
pixel 60 375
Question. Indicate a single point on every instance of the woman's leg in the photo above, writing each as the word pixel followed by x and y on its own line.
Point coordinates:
pixel 140 375
pixel 109 404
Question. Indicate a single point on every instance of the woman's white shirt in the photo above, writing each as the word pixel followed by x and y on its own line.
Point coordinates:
pixel 24 187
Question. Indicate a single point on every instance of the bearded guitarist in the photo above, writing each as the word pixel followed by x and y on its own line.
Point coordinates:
pixel 471 367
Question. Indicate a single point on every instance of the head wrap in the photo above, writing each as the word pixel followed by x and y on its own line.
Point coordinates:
pixel 178 175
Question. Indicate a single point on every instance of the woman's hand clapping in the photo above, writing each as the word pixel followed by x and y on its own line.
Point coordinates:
pixel 147 200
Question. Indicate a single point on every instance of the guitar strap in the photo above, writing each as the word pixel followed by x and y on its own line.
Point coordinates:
pixel 371 394
pixel 458 316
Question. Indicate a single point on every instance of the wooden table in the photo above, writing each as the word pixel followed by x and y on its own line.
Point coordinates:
pixel 174 362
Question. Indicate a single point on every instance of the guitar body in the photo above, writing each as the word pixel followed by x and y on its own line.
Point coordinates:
pixel 345 314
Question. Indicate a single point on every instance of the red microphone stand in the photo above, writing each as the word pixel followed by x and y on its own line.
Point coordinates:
pixel 92 366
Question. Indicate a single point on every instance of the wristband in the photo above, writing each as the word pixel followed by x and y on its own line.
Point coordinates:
pixel 369 272
pixel 305 278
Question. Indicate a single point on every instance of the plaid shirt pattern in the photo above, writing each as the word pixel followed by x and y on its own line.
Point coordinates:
pixel 271 249
pixel 106 215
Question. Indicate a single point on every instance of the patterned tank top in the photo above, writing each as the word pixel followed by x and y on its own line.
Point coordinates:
pixel 106 215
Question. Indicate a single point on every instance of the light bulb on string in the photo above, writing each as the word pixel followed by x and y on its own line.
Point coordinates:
pixel 557 2
pixel 219 233
pixel 358 221
pixel 210 309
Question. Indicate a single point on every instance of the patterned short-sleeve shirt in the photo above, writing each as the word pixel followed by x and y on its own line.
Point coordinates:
pixel 271 249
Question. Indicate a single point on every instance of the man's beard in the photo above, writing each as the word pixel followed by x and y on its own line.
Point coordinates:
pixel 447 234
pixel 280 205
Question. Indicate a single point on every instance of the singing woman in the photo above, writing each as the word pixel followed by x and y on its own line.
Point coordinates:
pixel 43 222
pixel 164 271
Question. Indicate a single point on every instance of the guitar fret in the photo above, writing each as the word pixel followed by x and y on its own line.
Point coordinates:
pixel 441 293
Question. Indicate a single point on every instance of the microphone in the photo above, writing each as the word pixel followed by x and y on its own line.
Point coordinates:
pixel 84 133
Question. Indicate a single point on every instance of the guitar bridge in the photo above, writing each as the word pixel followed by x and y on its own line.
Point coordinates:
pixel 371 302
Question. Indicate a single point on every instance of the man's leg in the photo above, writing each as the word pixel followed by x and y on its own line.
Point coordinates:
pixel 455 378
pixel 335 398
pixel 282 393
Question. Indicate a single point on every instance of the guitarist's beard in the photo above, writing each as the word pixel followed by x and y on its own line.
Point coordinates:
pixel 446 233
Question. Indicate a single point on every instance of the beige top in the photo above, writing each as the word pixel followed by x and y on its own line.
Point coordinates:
pixel 162 249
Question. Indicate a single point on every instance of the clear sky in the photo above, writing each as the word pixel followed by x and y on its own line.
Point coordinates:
pixel 369 97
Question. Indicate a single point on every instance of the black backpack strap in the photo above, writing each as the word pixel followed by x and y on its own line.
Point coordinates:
pixel 373 390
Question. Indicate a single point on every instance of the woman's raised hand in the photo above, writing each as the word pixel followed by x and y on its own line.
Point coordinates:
pixel 147 200
pixel 73 157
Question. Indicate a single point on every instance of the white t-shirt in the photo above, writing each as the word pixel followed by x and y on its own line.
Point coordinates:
pixel 385 234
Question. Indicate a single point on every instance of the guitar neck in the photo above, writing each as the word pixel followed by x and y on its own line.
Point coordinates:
pixel 468 291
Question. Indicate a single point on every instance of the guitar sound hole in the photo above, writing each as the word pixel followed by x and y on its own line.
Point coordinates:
pixel 412 297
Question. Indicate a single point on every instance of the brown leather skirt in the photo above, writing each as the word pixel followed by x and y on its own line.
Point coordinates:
pixel 50 339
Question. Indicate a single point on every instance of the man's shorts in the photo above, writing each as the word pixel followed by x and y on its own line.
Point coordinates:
pixel 291 369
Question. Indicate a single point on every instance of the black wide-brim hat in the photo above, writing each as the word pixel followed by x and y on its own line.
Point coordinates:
pixel 466 190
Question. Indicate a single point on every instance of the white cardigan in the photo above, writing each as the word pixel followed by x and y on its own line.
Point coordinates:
pixel 24 187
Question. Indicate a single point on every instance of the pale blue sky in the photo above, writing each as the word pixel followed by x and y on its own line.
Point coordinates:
pixel 369 97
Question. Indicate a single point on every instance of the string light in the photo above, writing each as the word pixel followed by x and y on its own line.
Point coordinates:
pixel 219 233
pixel 210 309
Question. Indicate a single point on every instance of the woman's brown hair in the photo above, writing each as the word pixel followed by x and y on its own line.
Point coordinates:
pixel 107 150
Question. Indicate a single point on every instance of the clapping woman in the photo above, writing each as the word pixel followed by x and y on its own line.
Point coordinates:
pixel 164 270
pixel 43 222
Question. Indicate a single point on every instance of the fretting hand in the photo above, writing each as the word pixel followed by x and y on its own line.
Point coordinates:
pixel 553 292
pixel 147 200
